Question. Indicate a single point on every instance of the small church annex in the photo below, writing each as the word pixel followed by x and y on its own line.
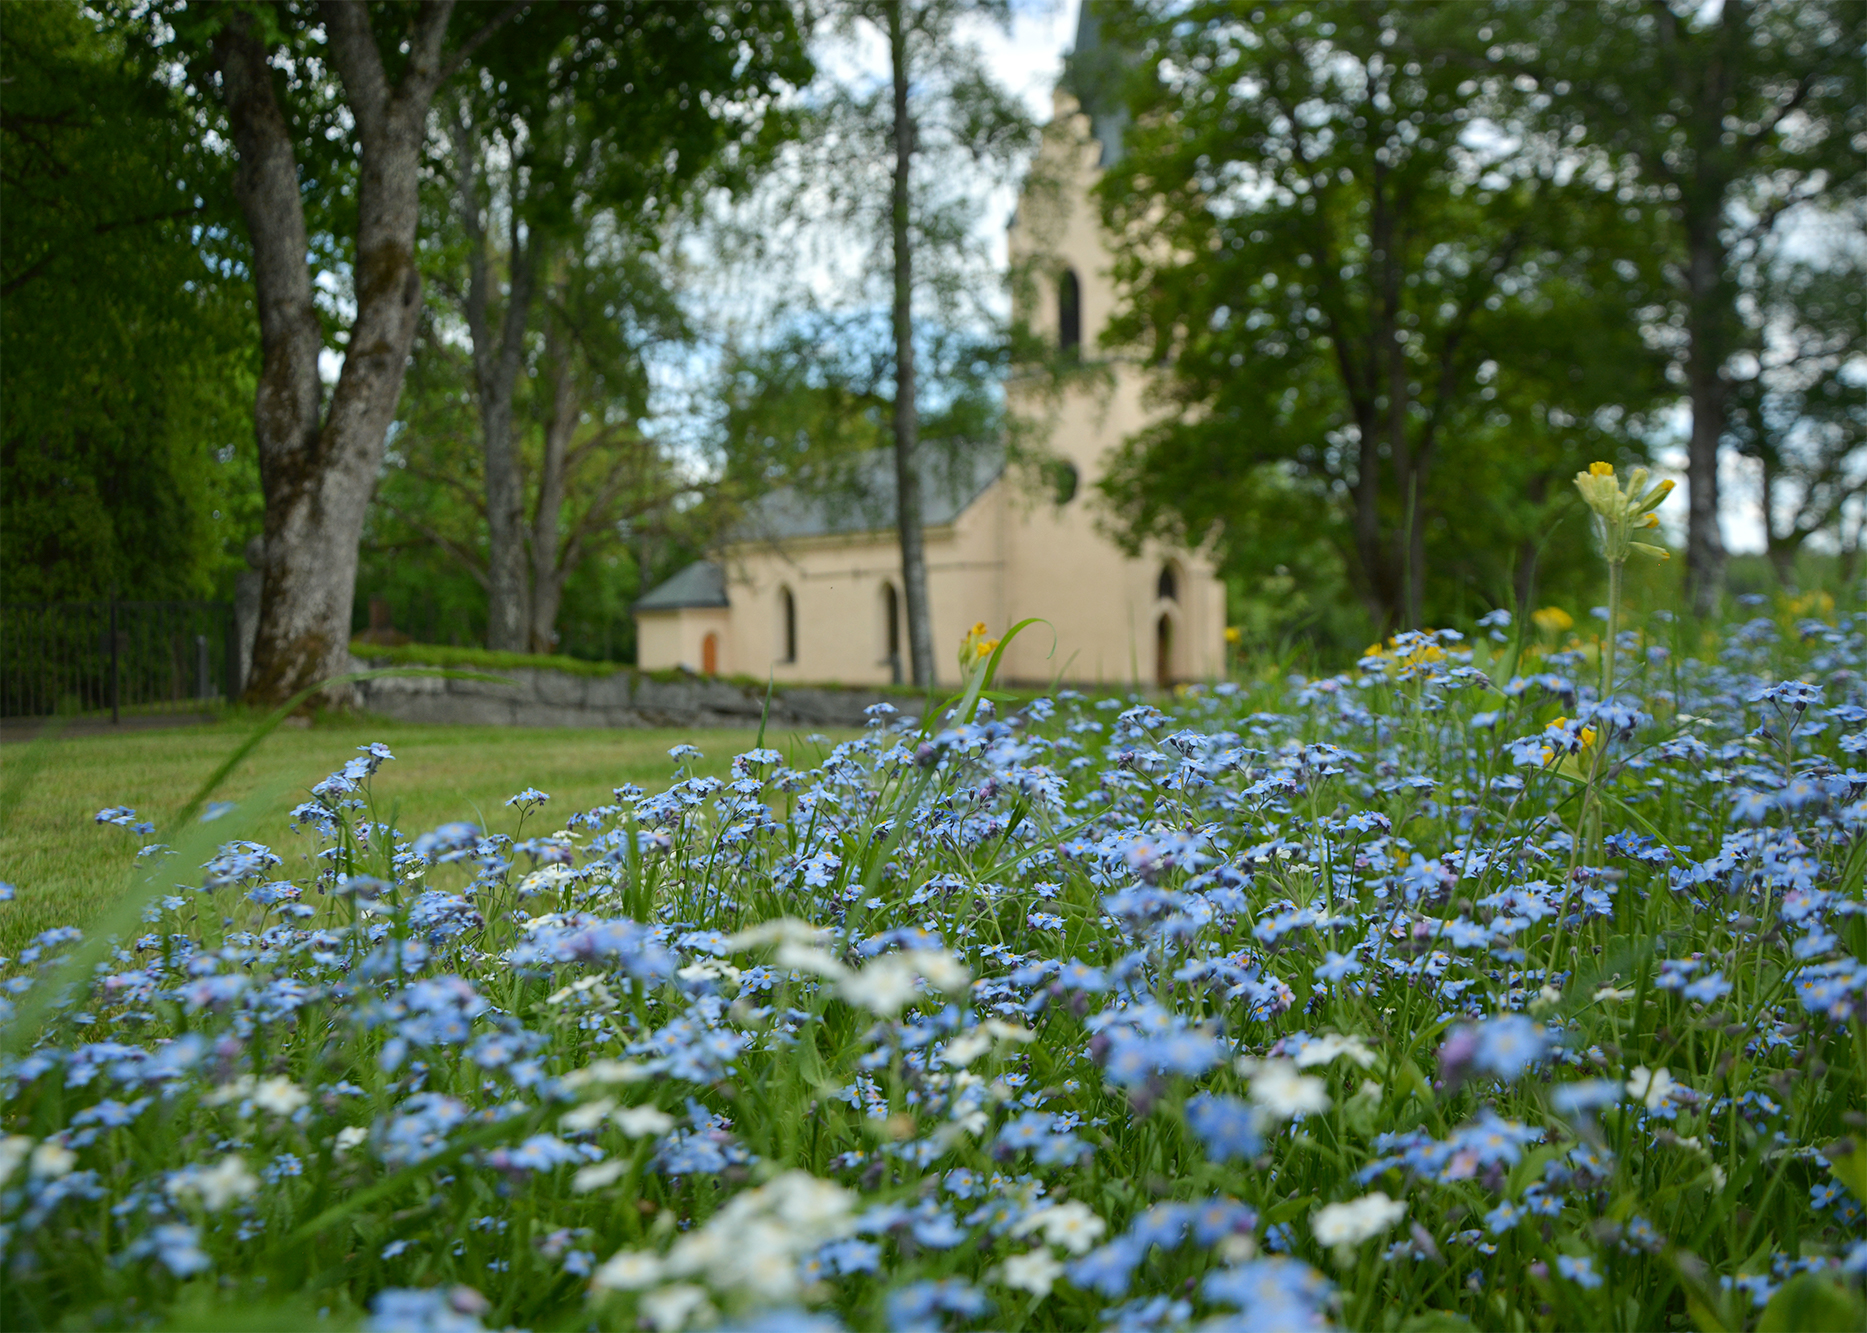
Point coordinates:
pixel 808 591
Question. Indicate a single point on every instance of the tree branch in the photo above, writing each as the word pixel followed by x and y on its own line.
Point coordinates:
pixel 13 284
pixel 465 51
pixel 473 567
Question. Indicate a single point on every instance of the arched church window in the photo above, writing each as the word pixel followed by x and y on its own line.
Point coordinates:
pixel 891 630
pixel 1063 478
pixel 1168 586
pixel 1069 311
pixel 787 624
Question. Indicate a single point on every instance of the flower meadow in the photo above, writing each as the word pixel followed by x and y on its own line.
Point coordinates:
pixel 1445 992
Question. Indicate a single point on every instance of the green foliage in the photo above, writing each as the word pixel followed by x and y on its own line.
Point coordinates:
pixel 1411 331
pixel 1737 129
pixel 1801 410
pixel 126 335
pixel 590 133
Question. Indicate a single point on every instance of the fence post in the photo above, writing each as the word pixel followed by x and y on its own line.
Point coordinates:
pixel 115 676
pixel 233 655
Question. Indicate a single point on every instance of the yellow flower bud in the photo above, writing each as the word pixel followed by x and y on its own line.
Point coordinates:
pixel 1621 511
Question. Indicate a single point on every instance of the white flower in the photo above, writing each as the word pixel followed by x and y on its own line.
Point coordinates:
pixel 594 991
pixel 280 1096
pixel 351 1136
pixel 1280 1090
pixel 941 967
pixel 672 1306
pixel 801 1200
pixel 588 1116
pixel 606 1071
pixel 227 1181
pixel 237 1091
pixel 52 1159
pixel 14 1149
pixel 783 930
pixel 1330 1046
pixel 546 879
pixel 643 1122
pixel 767 1267
pixel 1034 1272
pixel 627 1270
pixel 1352 1223
pixel 1651 1086
pixel 882 987
pixel 753 1245
pixel 597 1176
pixel 809 958
pixel 965 1048
pixel 969 1046
pixel 1608 994
pixel 1072 1225
pixel 709 969
pixel 1237 1249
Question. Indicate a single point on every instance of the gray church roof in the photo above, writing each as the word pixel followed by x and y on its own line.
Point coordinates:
pixel 702 583
pixel 1095 71
pixel 864 500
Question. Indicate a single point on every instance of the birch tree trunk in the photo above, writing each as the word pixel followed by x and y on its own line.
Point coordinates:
pixel 319 461
pixel 906 417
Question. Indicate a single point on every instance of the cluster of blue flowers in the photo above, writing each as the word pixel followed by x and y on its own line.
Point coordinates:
pixel 1441 985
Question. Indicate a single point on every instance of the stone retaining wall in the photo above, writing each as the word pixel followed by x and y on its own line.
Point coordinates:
pixel 532 697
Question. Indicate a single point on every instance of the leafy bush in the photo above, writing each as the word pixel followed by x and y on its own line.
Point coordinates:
pixel 1439 993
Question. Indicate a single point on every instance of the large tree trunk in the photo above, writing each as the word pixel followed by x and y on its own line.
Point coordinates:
pixel 1707 310
pixel 318 476
pixel 548 573
pixel 1370 551
pixel 906 417
pixel 299 636
pixel 497 359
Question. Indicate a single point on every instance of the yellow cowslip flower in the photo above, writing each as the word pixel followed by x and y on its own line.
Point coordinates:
pixel 1574 765
pixel 1421 649
pixel 1552 620
pixel 1819 604
pixel 975 647
pixel 1620 512
pixel 1232 635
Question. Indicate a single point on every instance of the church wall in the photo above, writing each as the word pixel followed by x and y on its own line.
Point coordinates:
pixel 837 585
pixel 1105 607
pixel 667 639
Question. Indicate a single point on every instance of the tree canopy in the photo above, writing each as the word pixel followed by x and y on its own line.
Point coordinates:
pixel 1381 298
pixel 125 330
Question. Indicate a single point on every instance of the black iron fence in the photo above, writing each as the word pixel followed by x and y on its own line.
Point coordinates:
pixel 115 657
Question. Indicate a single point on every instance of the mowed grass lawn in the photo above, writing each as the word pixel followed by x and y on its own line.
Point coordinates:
pixel 65 867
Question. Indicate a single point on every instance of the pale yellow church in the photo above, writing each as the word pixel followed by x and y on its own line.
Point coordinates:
pixel 810 590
